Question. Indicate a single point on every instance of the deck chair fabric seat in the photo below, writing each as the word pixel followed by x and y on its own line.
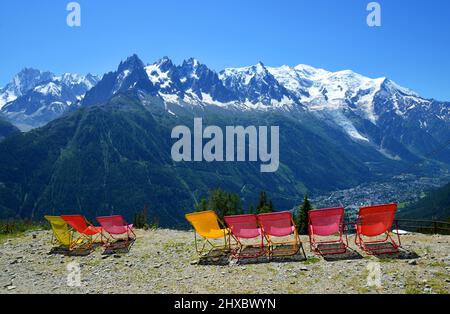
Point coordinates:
pixel 84 228
pixel 208 226
pixel 245 227
pixel 327 222
pixel 81 225
pixel 278 225
pixel 375 221
pixel 62 235
pixel 119 229
pixel 116 226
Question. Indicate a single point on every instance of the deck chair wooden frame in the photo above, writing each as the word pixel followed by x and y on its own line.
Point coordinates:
pixel 245 227
pixel 325 223
pixel 285 217
pixel 71 241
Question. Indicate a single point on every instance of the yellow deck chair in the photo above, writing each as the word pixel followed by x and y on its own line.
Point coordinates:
pixel 208 225
pixel 62 235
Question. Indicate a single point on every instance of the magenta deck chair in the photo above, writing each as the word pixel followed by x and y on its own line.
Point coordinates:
pixel 245 227
pixel 280 224
pixel 375 221
pixel 326 223
pixel 115 226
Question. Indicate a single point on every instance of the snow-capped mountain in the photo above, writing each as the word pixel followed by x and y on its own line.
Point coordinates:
pixel 34 98
pixel 191 82
pixel 372 111
pixel 256 85
pixel 377 111
pixel 21 83
pixel 129 75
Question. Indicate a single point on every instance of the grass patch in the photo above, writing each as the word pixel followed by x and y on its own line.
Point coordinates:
pixel 411 285
pixel 15 228
pixel 312 260
pixel 438 284
pixel 438 264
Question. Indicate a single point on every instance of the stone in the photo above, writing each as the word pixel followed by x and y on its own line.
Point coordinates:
pixel 412 262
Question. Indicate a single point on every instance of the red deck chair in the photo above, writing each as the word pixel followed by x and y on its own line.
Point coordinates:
pixel 84 228
pixel 117 226
pixel 325 223
pixel 279 225
pixel 375 221
pixel 245 227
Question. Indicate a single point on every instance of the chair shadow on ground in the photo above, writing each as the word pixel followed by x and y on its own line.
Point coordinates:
pixel 347 254
pixel 119 247
pixel 66 252
pixel 215 257
pixel 401 254
pixel 220 258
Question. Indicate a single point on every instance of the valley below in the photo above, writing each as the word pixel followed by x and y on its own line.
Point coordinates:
pixel 402 189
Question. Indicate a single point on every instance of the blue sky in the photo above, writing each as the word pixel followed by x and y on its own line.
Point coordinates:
pixel 411 47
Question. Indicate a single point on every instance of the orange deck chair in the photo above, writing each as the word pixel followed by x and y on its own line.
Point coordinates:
pixel 208 225
pixel 326 223
pixel 375 221
pixel 245 227
pixel 280 225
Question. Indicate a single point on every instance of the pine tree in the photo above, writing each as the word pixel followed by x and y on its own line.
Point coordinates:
pixel 141 219
pixel 264 206
pixel 302 217
pixel 223 203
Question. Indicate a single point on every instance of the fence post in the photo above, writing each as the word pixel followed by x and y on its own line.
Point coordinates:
pixel 435 227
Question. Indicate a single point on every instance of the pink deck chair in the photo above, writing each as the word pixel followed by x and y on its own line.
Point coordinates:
pixel 245 227
pixel 375 221
pixel 326 223
pixel 278 225
pixel 116 226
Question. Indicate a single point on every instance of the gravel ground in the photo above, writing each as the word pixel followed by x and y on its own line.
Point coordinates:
pixel 164 261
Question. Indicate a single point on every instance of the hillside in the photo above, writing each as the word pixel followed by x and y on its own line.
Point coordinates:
pixel 115 158
pixel 435 205
pixel 164 261
pixel 7 129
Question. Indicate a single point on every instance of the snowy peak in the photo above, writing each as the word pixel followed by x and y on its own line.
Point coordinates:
pixel 192 81
pixel 27 79
pixel 130 75
pixel 77 80
pixel 256 85
pixel 197 80
pixel 24 81
pixel 163 74
pixel 394 88
pixel 130 64
pixel 42 96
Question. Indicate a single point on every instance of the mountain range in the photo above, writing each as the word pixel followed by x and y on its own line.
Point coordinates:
pixel 33 98
pixel 103 145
